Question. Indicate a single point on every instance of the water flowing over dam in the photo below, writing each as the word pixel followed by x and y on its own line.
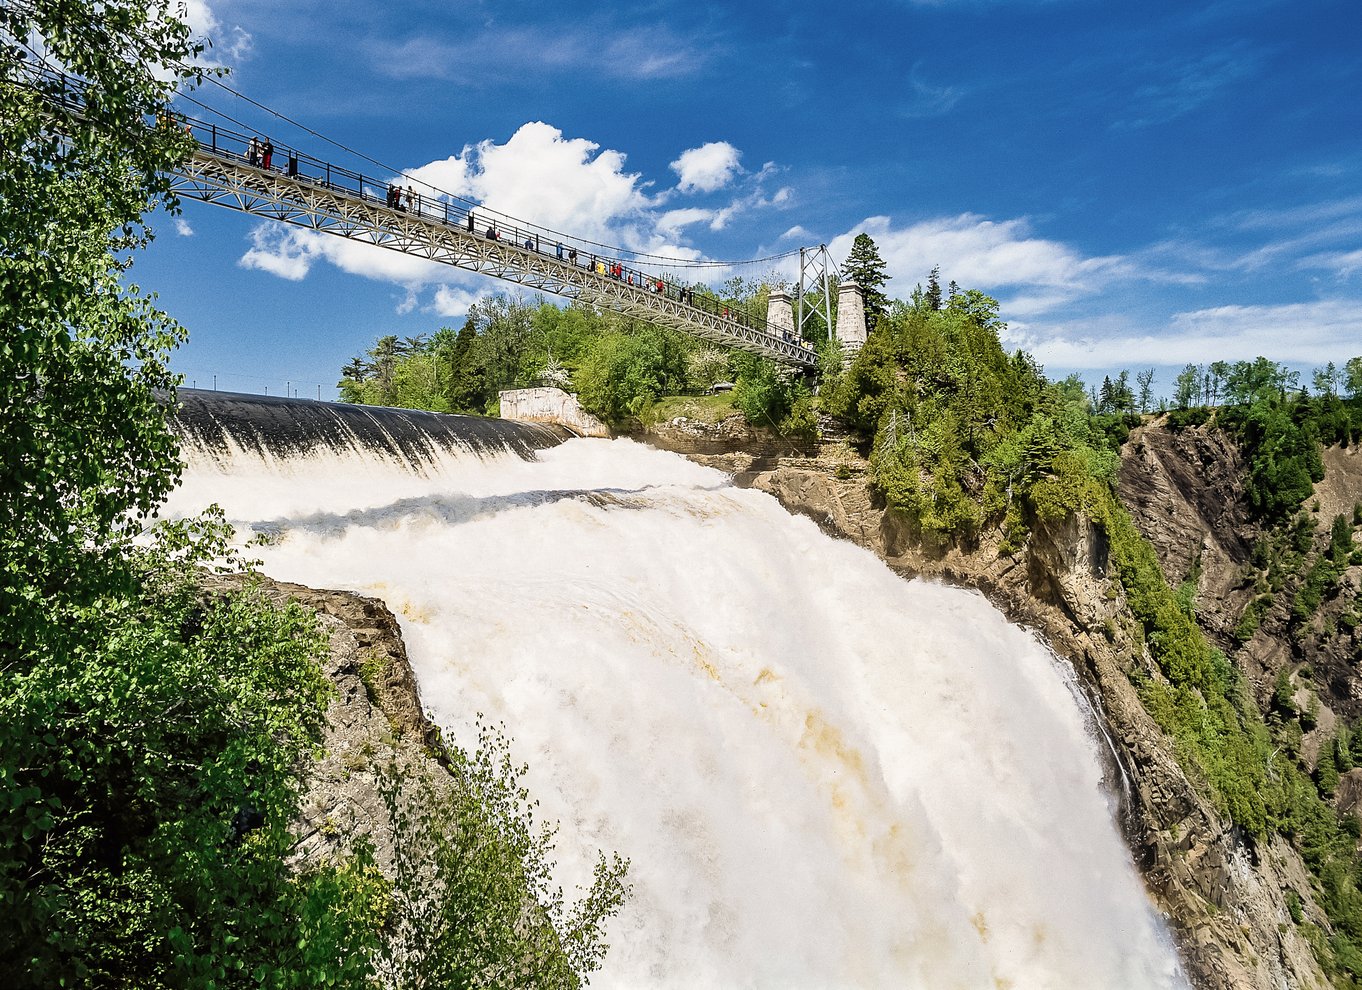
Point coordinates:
pixel 825 776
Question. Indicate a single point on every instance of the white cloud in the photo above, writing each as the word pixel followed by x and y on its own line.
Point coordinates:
pixel 1344 264
pixel 673 220
pixel 922 99
pixel 290 252
pixel 566 184
pixel 280 251
pixel 182 227
pixel 451 301
pixel 601 47
pixel 227 45
pixel 707 168
pixel 1296 333
pixel 1185 84
pixel 990 255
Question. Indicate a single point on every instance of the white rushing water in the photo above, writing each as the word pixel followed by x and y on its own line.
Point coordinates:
pixel 825 776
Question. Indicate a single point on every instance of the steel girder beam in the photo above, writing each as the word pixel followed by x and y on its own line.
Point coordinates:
pixel 311 203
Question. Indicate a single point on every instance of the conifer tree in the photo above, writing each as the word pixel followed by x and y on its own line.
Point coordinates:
pixel 866 268
pixel 933 296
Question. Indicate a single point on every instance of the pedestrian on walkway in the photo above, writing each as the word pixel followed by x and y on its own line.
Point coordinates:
pixel 267 153
pixel 253 152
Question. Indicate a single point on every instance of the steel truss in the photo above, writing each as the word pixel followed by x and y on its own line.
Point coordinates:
pixel 433 234
pixel 817 276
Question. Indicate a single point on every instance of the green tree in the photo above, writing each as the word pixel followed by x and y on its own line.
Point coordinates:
pixel 866 268
pixel 1352 377
pixel 932 298
pixel 1145 379
pixel 1257 380
pixel 1326 380
pixel 1218 372
pixel 134 722
pixel 1186 386
pixel 83 356
pixel 624 372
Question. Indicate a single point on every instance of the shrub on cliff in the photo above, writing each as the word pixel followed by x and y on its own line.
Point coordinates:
pixel 149 781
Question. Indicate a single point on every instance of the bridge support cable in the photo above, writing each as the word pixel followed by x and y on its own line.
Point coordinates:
pixel 314 195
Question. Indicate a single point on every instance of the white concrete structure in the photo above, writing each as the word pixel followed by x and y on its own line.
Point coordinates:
pixel 551 405
pixel 851 329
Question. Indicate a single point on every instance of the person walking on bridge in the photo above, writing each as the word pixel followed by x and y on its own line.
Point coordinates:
pixel 253 152
pixel 267 153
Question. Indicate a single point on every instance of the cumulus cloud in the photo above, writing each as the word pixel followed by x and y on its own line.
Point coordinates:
pixel 707 168
pixel 452 301
pixel 991 255
pixel 1295 333
pixel 227 45
pixel 539 175
pixel 182 227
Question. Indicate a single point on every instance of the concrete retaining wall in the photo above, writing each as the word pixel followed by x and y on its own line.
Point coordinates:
pixel 551 405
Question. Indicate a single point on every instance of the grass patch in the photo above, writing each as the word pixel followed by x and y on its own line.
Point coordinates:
pixel 702 408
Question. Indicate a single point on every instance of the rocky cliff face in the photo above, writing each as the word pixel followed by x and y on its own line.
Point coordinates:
pixel 1185 491
pixel 377 731
pixel 1226 903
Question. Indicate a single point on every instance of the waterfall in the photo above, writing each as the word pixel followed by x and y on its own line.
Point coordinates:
pixel 824 775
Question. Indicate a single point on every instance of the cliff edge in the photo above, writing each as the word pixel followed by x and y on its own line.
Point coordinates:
pixel 1225 900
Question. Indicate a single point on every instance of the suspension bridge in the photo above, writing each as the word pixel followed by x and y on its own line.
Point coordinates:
pixel 234 169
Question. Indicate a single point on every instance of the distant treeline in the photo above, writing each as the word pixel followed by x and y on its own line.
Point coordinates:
pixel 1264 405
pixel 617 366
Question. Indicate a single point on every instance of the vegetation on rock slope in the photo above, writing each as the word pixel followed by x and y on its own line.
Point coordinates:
pixel 964 436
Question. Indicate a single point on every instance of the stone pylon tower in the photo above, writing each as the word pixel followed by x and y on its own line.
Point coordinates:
pixel 851 329
pixel 780 313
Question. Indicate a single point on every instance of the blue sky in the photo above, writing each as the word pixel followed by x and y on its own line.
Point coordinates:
pixel 1139 184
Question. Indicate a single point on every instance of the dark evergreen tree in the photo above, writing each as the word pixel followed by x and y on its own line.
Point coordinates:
pixel 933 297
pixel 866 268
pixel 1107 398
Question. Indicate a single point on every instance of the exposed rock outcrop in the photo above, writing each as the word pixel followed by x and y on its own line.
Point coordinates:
pixel 1226 902
pixel 377 732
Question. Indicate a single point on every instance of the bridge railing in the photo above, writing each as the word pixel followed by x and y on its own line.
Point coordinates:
pixel 230 145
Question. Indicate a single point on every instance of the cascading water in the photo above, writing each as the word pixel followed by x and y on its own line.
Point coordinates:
pixel 825 776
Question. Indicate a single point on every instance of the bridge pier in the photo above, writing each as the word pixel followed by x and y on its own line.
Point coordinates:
pixel 851 328
pixel 780 312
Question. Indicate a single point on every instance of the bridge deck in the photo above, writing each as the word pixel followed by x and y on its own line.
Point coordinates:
pixel 312 193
